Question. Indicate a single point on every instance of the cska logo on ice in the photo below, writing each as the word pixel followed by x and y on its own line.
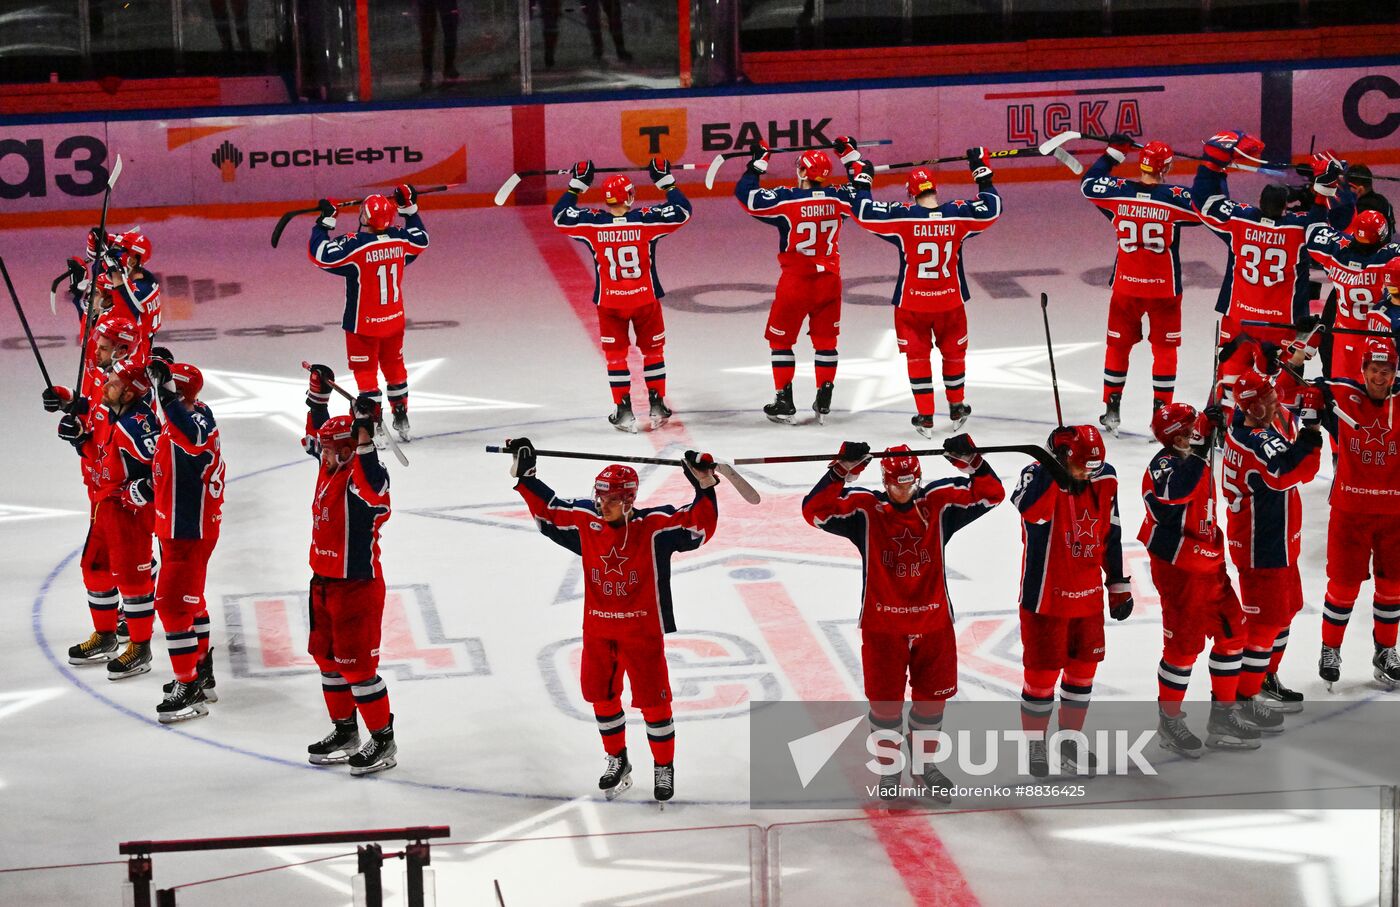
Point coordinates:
pixel 268 634
pixel 1036 116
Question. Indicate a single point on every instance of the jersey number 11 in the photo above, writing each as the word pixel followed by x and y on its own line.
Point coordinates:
pixel 388 276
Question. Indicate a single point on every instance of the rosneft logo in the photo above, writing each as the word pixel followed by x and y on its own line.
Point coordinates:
pixel 227 157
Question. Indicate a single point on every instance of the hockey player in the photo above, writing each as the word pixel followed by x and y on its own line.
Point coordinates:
pixel 627 596
pixel 117 441
pixel 1364 528
pixel 1073 551
pixel 1361 182
pixel 1147 215
pixel 930 293
pixel 1186 552
pixel 188 478
pixel 627 289
pixel 134 290
pixel 906 620
pixel 808 217
pixel 372 261
pixel 1355 262
pixel 1266 459
pixel 347 585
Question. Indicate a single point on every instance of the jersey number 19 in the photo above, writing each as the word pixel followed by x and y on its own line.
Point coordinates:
pixel 624 263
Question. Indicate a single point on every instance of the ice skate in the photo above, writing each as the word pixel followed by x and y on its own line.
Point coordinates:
pixel 923 425
pixel 133 662
pixel 1281 698
pixel 401 427
pixel 937 786
pixel 889 786
pixel 1039 759
pixel 378 754
pixel 1261 715
pixel 1386 665
pixel 1174 735
pixel 624 419
pixel 123 635
pixel 1077 759
pixel 96 649
pixel 660 412
pixel 617 777
pixel 957 415
pixel 338 746
pixel 205 678
pixel 822 405
pixel 1329 666
pixel 1112 416
pixel 183 701
pixel 665 786
pixel 1227 731
pixel 782 409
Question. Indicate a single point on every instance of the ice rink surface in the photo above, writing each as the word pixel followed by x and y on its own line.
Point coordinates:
pixel 482 626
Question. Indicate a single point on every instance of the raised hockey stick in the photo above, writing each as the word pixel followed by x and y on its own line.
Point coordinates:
pixel 19 310
pixel 100 248
pixel 503 194
pixel 730 155
pixel 393 445
pixel 53 292
pixel 1050 349
pixel 1053 147
pixel 1319 329
pixel 724 468
pixel 1035 452
pixel 1263 167
pixel 287 217
pixel 1210 401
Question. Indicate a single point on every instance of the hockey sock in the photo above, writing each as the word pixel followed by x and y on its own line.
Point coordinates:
pixel 1115 369
pixel 921 383
pixel 1225 673
pixel 336 690
pixel 1037 699
pixel 926 717
pixel 103 607
pixel 1336 611
pixel 619 378
pixel 954 374
pixel 140 614
pixel 1386 610
pixel 1076 687
pixel 1172 680
pixel 372 700
pixel 398 396
pixel 1280 644
pixel 784 367
pixel 661 734
pixel 654 371
pixel 825 361
pixel 612 725
pixel 1258 652
pixel 201 632
pixel 894 723
pixel 1163 372
pixel 184 654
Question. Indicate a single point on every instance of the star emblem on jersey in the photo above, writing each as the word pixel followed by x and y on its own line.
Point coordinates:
pixel 1084 526
pixel 1178 192
pixel 1375 433
pixel 612 562
pixel 1343 242
pixel 907 542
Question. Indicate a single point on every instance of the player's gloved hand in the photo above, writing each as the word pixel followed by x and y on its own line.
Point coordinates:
pixel 77 275
pixel 962 453
pixel 326 217
pixel 845 148
pixel 1120 599
pixel 318 388
pixel 1307 324
pixel 581 176
pixel 1219 149
pixel 758 162
pixel 97 242
pixel 862 175
pixel 700 470
pixel 523 452
pixel 1119 144
pixel 407 199
pixel 1310 405
pixel 850 459
pixel 158 370
pixel 1327 173
pixel 137 494
pixel 367 408
pixel 1273 355
pixel 659 169
pixel 1202 431
pixel 1059 437
pixel 56 398
pixel 70 429
pixel 977 163
pixel 77 407
pixel 1215 415
pixel 162 353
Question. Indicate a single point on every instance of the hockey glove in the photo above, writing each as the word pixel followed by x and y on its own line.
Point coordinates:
pixel 159 372
pixel 962 453
pixel 318 389
pixel 97 242
pixel 845 148
pixel 1310 405
pixel 1327 173
pixel 163 354
pixel 407 199
pixel 1203 430
pixel 700 470
pixel 137 494
pixel 77 276
pixel 1220 149
pixel 1119 144
pixel 758 163
pixel 659 169
pixel 56 398
pixel 850 459
pixel 581 176
pixel 977 163
pixel 862 175
pixel 70 429
pixel 367 408
pixel 1120 599
pixel 326 217
pixel 524 453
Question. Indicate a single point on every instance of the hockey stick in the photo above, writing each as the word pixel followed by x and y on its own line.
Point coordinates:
pixel 287 217
pixel 19 310
pixel 100 250
pixel 729 155
pixel 724 468
pixel 393 445
pixel 1050 348
pixel 1264 167
pixel 1210 401
pixel 1051 148
pixel 508 187
pixel 1039 454
pixel 53 292
pixel 1321 328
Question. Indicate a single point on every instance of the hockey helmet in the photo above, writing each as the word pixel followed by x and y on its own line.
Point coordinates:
pixel 1379 349
pixel 814 166
pixel 1253 389
pixel 921 180
pixel 189 381
pixel 1155 158
pixel 132 373
pixel 1079 445
pixel 136 248
pixel 377 213
pixel 1172 421
pixel 117 330
pixel 1390 277
pixel 618 190
pixel 616 483
pixel 335 433
pixel 903 469
pixel 1369 228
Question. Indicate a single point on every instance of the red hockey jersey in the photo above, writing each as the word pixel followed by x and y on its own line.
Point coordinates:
pixel 1073 542
pixel 1263 468
pixel 623 248
pixel 372 265
pixel 188 473
pixel 1368 449
pixel 1147 221
pixel 347 514
pixel 808 221
pixel 1177 525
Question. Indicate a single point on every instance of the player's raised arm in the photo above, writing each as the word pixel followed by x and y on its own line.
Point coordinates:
pixel 830 506
pixel 676 210
pixel 557 519
pixel 567 212
pixel 412 232
pixel 965 499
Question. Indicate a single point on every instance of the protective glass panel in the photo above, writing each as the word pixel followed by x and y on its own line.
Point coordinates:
pixel 444 48
pixel 593 45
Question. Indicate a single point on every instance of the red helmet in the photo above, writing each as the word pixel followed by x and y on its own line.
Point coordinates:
pixel 1369 228
pixel 119 331
pixel 1155 158
pixel 377 213
pixel 189 381
pixel 1390 275
pixel 816 166
pixel 1079 445
pixel 1172 421
pixel 134 245
pixel 618 190
pixel 901 470
pixel 132 373
pixel 335 432
pixel 920 180
pixel 1252 387
pixel 616 482
pixel 1379 349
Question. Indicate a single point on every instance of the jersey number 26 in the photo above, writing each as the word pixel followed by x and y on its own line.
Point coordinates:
pixel 1149 235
